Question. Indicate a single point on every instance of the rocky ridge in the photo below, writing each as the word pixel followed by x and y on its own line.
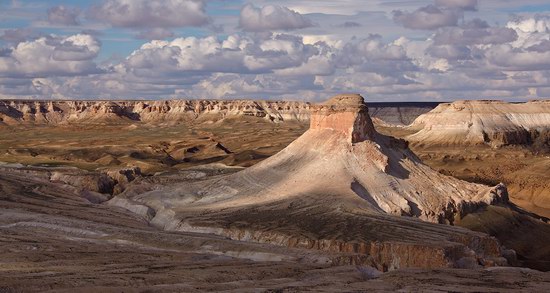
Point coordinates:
pixel 14 112
pixel 173 111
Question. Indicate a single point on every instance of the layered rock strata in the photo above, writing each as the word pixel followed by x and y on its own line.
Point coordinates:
pixel 340 187
pixel 14 112
pixel 62 112
pixel 495 123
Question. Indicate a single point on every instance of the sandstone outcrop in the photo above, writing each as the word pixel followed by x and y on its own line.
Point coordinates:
pixel 340 187
pixel 495 123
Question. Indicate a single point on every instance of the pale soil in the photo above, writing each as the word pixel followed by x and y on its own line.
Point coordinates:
pixel 51 240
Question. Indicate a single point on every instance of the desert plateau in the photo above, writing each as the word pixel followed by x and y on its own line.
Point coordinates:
pixel 272 193
pixel 274 146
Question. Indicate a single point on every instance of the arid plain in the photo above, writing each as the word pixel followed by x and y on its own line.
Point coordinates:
pixel 281 196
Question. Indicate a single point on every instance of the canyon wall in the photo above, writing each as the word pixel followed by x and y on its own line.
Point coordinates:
pixel 14 112
pixel 60 112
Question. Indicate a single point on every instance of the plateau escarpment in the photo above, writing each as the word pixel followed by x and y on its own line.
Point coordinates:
pixel 16 112
pixel 340 173
pixel 506 142
pixel 174 111
pixel 495 123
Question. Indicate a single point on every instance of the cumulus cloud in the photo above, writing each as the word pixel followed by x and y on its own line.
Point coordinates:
pixel 271 18
pixel 536 24
pixel 151 14
pixel 51 56
pixel 517 59
pixel 76 48
pixel 62 15
pixel 227 85
pixel 427 18
pixel 543 46
pixel 374 48
pixel 236 54
pixel 450 52
pixel 455 59
pixel 470 5
pixel 475 32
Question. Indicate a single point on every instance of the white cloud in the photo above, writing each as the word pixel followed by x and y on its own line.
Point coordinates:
pixel 427 18
pixel 150 14
pixel 271 18
pixel 78 47
pixel 51 55
pixel 537 24
pixel 475 32
pixel 446 57
pixel 235 54
pixel 512 59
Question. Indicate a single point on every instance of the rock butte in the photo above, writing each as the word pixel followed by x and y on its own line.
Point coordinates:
pixel 340 187
pixel 495 123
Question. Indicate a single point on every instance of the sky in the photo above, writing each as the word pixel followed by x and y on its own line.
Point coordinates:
pixel 386 50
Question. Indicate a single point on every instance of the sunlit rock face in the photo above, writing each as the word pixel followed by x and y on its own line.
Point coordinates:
pixel 493 123
pixel 346 113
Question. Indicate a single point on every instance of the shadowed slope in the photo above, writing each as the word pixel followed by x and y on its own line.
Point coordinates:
pixel 332 189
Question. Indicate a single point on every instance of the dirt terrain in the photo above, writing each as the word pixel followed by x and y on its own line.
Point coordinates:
pixel 60 230
pixel 152 148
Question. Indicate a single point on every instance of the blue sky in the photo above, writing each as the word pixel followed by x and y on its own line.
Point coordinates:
pixel 387 50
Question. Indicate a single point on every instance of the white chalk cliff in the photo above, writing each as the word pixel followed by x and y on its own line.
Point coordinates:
pixel 171 111
pixel 494 123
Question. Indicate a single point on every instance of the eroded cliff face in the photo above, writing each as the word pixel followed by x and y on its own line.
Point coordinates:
pixel 495 123
pixel 60 112
pixel 344 113
pixel 14 112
